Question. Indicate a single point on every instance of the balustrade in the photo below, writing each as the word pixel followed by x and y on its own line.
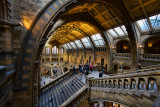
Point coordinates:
pixel 150 56
pixel 127 55
pixel 139 84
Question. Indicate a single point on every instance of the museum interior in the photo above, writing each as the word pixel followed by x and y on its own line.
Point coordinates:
pixel 79 53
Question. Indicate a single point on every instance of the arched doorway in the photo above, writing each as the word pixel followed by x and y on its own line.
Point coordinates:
pixel 123 46
pixel 152 45
pixel 115 68
pixel 102 62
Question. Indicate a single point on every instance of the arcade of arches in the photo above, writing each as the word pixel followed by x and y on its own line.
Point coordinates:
pixel 80 53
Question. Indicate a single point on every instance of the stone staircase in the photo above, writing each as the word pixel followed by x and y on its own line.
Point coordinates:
pixel 60 92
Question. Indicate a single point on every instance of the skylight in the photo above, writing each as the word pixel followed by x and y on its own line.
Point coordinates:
pixel 65 46
pixel 119 31
pixel 143 24
pixel 78 43
pixel 70 47
pixel 98 40
pixel 124 29
pixel 86 42
pixel 113 33
pixel 155 22
pixel 73 45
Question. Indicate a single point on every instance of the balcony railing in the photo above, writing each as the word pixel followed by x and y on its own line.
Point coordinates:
pixel 145 83
pixel 150 56
pixel 126 55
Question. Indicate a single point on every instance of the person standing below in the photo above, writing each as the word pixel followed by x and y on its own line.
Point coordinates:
pixel 91 67
pixel 100 74
pixel 74 70
pixel 87 68
pixel 139 66
pixel 103 68
pixel 80 68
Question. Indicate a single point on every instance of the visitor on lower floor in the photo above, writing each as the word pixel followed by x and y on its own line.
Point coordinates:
pixel 103 68
pixel 100 74
pixel 74 70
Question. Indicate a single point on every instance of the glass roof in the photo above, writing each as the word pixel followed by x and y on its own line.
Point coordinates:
pixel 86 42
pixel 119 31
pixel 113 33
pixel 65 46
pixel 124 29
pixel 98 40
pixel 78 43
pixel 70 47
pixel 73 45
pixel 143 25
pixel 155 22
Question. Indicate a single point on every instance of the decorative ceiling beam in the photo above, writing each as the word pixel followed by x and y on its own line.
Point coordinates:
pixel 143 4
pixel 145 13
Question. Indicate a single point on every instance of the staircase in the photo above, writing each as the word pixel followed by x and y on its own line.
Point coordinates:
pixel 59 93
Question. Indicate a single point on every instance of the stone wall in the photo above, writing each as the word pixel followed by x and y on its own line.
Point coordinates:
pixel 24 11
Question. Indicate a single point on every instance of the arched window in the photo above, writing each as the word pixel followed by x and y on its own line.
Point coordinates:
pixel 62 50
pixel 57 51
pixel 47 50
pixel 54 51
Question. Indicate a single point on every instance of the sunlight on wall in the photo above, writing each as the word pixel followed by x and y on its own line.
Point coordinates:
pixel 26 22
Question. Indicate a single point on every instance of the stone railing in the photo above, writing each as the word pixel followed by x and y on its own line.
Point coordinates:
pixel 76 99
pixel 146 84
pixel 6 92
pixel 126 55
pixel 150 56
pixel 58 79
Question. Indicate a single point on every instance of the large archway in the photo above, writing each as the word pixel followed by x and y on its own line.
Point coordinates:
pixel 27 80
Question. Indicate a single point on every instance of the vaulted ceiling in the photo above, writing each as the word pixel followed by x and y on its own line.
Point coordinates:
pixel 105 16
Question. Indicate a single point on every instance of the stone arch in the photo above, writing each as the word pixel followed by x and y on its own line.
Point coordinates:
pixel 151 44
pixel 152 83
pixel 32 46
pixel 126 65
pixel 123 46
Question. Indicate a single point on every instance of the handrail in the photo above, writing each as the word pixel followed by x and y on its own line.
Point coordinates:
pixel 129 75
pixel 84 88
pixel 7 89
pixel 57 79
pixel 59 87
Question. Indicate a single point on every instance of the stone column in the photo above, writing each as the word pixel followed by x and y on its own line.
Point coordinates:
pixel 6 53
pixel 50 54
pixel 59 55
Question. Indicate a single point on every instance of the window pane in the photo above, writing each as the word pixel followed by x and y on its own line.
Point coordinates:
pixel 54 50
pixel 65 46
pixel 124 29
pixel 111 31
pixel 101 42
pixel 78 43
pixel 97 43
pixel 143 24
pixel 98 36
pixel 62 51
pixel 57 51
pixel 73 45
pixel 86 42
pixel 94 37
pixel 69 46
pixel 119 31
pixel 155 22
